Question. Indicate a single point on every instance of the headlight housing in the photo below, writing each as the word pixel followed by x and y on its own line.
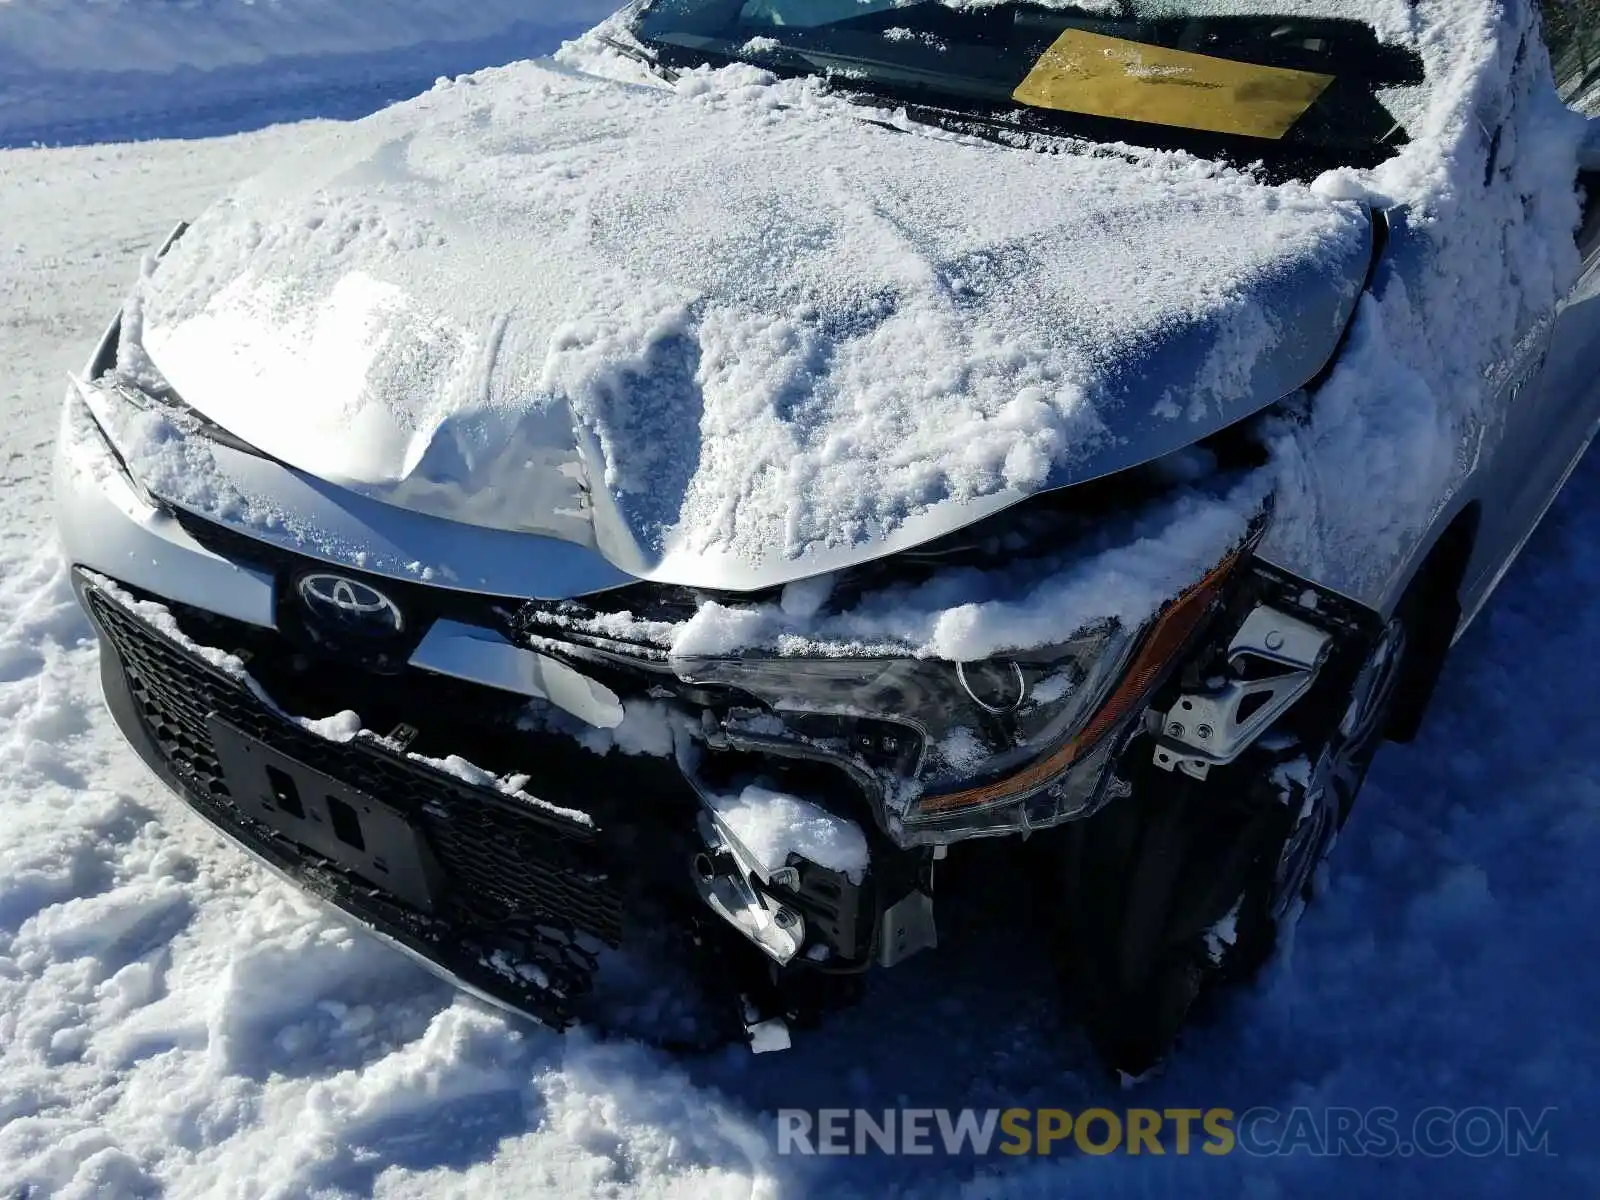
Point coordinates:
pixel 960 750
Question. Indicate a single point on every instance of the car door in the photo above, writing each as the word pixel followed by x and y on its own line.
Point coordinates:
pixel 1552 393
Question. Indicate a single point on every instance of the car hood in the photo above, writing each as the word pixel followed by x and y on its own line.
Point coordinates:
pixel 733 334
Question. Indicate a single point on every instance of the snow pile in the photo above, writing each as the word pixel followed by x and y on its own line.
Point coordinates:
pixel 772 826
pixel 745 357
pixel 1125 573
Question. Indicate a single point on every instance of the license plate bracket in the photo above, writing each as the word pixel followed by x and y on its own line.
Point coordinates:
pixel 358 832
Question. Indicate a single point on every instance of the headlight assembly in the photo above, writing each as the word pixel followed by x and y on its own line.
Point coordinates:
pixel 967 749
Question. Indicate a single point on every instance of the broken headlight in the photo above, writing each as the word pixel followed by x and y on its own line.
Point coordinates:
pixel 966 749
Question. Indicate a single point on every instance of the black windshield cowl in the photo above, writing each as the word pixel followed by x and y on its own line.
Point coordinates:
pixel 962 68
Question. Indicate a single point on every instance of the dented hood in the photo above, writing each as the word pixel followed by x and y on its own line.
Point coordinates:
pixel 731 335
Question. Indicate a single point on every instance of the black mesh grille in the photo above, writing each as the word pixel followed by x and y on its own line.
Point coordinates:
pixel 520 879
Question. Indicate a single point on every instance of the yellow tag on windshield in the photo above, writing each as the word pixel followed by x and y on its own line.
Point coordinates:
pixel 1109 77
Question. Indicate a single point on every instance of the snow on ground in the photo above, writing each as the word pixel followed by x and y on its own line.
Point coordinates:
pixel 173 1021
pixel 75 71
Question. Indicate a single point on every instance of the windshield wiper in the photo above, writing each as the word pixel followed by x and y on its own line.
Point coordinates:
pixel 1003 129
pixel 639 55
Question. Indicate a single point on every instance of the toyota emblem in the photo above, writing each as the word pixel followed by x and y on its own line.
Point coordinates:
pixel 339 603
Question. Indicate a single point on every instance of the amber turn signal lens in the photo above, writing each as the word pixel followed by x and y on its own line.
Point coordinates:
pixel 1168 635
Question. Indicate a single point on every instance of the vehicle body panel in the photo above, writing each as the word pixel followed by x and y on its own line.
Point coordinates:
pixel 1409 434
pixel 580 387
pixel 1554 407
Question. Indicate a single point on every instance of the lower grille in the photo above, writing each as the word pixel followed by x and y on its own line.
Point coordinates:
pixel 528 891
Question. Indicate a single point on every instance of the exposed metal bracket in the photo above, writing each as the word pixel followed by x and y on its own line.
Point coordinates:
pixel 1274 659
pixel 726 876
pixel 906 926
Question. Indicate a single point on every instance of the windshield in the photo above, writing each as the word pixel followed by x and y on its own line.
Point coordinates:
pixel 1166 73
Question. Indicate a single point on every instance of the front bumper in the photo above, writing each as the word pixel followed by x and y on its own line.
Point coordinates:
pixel 531 895
pixel 535 903
pixel 520 898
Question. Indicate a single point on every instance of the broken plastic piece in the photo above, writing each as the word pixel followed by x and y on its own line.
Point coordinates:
pixel 768 1036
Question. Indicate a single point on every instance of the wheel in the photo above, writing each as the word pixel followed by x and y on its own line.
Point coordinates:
pixel 1185 884
pixel 1320 804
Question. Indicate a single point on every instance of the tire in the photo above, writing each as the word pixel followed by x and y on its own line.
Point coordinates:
pixel 1145 878
pixel 1184 885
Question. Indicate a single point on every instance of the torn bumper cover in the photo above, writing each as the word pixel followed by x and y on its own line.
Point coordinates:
pixel 517 900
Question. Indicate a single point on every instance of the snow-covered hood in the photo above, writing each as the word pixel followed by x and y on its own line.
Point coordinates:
pixel 733 334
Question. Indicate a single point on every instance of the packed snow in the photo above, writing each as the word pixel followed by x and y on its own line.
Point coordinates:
pixel 747 364
pixel 772 826
pixel 177 1022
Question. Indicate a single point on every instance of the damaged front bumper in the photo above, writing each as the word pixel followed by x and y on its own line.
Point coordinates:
pixel 528 935
pixel 516 890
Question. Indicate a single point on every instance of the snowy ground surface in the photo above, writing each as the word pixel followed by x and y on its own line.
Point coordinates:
pixel 79 71
pixel 173 1021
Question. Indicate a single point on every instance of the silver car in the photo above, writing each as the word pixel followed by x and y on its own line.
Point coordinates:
pixel 677 501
